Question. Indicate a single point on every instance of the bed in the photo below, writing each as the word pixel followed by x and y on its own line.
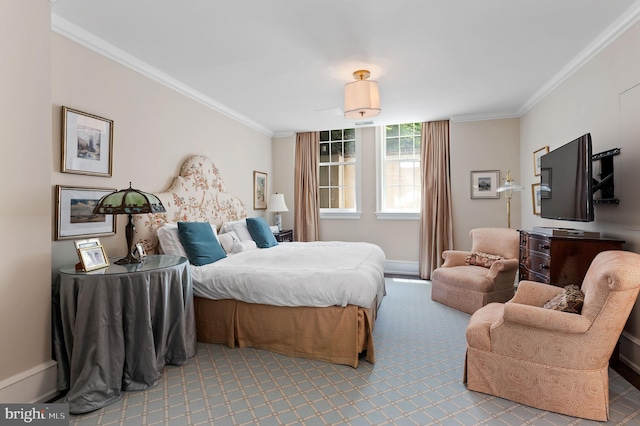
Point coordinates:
pixel 313 300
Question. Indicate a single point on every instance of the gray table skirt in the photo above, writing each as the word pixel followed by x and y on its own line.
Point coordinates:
pixel 114 332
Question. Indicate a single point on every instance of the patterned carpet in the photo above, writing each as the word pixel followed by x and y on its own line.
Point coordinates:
pixel 417 380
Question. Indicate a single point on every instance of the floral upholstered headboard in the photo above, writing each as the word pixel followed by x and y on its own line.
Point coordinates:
pixel 198 194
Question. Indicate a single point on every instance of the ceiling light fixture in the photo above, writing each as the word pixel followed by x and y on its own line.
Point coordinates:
pixel 361 97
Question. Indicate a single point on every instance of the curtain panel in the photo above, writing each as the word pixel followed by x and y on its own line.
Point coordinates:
pixel 436 222
pixel 307 206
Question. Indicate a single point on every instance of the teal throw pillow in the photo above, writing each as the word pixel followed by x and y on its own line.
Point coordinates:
pixel 200 243
pixel 261 233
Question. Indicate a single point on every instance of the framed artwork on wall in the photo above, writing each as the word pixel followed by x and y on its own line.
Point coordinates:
pixel 259 190
pixel 535 198
pixel 74 214
pixel 87 143
pixel 536 159
pixel 484 184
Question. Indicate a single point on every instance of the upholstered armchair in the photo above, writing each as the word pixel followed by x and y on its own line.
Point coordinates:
pixel 549 359
pixel 467 281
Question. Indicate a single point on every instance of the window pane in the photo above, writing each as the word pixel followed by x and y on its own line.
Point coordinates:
pixel 324 152
pixel 392 148
pixel 417 141
pixel 406 129
pixel 324 136
pixel 336 135
pixel 350 150
pixel 350 198
pixel 334 178
pixel 324 198
pixel 324 176
pixel 392 130
pixel 349 177
pixel 392 197
pixel 335 198
pixel 406 147
pixel 336 152
pixel 392 173
pixel 406 173
pixel 349 134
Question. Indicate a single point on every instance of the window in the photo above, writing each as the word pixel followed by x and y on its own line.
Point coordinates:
pixel 338 173
pixel 399 171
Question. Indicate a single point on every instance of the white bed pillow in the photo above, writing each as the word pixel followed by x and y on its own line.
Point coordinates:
pixel 239 227
pixel 240 246
pixel 227 240
pixel 170 240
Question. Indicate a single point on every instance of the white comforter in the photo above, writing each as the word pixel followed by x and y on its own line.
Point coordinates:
pixel 319 274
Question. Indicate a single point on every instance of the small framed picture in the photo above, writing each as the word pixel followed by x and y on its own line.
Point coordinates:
pixel 536 159
pixel 484 184
pixel 535 198
pixel 259 190
pixel 87 143
pixel 90 242
pixel 74 213
pixel 140 252
pixel 93 257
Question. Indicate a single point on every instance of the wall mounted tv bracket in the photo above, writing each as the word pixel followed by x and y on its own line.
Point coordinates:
pixel 605 184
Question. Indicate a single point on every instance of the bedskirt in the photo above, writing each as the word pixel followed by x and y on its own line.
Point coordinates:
pixel 333 334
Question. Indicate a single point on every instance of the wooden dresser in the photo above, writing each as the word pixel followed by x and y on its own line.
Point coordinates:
pixel 559 260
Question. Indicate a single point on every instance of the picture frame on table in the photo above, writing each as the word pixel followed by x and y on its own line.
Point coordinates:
pixel 536 196
pixel 140 252
pixel 74 213
pixel 259 190
pixel 536 159
pixel 484 184
pixel 92 258
pixel 87 143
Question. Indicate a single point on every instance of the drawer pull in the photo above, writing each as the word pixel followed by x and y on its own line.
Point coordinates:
pixel 543 246
pixel 543 266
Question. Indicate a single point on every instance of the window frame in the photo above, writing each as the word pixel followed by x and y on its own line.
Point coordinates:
pixel 356 212
pixel 381 212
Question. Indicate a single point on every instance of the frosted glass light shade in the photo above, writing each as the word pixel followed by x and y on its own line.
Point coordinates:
pixel 361 99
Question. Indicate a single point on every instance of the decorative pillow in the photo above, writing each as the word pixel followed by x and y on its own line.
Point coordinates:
pixel 239 227
pixel 227 240
pixel 570 300
pixel 478 258
pixel 170 240
pixel 243 246
pixel 260 232
pixel 200 243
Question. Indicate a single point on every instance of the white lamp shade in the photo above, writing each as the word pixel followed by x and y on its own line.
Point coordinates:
pixel 361 99
pixel 277 204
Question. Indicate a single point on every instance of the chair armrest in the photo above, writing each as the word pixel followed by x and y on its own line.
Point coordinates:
pixel 535 294
pixel 502 265
pixel 546 319
pixel 454 258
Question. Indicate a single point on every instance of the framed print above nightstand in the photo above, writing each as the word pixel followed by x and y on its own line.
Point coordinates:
pixel 87 143
pixel 259 190
pixel 74 213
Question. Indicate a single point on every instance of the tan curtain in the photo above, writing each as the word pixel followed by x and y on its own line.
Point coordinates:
pixel 307 208
pixel 436 224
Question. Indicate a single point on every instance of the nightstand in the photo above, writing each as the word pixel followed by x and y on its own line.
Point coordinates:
pixel 284 235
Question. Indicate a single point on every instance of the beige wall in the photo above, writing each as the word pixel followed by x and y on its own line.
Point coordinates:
pixel 602 98
pixel 155 130
pixel 481 145
pixel 25 215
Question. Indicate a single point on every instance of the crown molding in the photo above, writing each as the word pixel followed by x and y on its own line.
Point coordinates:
pixel 461 118
pixel 100 46
pixel 608 36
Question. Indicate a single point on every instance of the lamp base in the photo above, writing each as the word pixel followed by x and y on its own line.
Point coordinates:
pixel 278 219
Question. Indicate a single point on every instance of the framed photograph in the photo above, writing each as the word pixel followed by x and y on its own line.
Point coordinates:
pixel 74 213
pixel 484 184
pixel 140 252
pixel 90 242
pixel 87 143
pixel 259 191
pixel 536 159
pixel 93 257
pixel 535 198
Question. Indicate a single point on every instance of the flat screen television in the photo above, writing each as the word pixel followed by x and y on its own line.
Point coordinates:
pixel 566 184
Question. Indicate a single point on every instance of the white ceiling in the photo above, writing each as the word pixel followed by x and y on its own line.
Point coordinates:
pixel 281 65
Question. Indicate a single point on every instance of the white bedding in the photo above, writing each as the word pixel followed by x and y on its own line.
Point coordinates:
pixel 318 274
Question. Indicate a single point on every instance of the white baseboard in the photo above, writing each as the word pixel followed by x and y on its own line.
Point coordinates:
pixel 401 267
pixel 32 386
